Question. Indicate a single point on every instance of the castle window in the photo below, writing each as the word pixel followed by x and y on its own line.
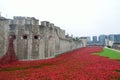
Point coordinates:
pixel 25 37
pixel 36 37
pixel 14 37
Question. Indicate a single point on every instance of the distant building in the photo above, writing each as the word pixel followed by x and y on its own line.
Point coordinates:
pixel 102 39
pixel 88 39
pixel 114 37
pixel 108 43
pixel 94 39
pixel 113 41
pixel 83 40
pixel 111 37
pixel 117 38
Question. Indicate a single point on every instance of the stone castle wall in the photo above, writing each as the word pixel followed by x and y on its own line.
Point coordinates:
pixel 4 27
pixel 34 41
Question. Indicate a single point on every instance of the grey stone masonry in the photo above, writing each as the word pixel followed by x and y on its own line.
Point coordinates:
pixel 4 29
pixel 34 41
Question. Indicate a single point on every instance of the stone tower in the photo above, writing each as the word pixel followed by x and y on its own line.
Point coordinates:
pixel 26 32
pixel 4 29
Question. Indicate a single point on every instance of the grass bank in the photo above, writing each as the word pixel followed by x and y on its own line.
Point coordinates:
pixel 109 53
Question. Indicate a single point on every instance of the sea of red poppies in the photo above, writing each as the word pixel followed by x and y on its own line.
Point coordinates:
pixel 75 65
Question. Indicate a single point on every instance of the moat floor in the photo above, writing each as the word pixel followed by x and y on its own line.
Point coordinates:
pixel 75 65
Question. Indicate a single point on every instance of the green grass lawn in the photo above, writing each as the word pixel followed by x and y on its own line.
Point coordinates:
pixel 109 53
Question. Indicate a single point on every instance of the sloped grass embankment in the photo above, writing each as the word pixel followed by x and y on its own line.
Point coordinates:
pixel 111 54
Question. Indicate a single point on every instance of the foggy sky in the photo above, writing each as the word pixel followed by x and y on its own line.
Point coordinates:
pixel 77 17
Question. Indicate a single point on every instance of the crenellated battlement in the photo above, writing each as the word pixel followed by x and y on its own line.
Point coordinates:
pixel 25 20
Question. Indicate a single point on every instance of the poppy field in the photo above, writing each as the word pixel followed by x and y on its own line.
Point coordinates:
pixel 75 65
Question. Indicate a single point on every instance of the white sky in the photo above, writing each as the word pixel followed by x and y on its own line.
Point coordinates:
pixel 77 17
